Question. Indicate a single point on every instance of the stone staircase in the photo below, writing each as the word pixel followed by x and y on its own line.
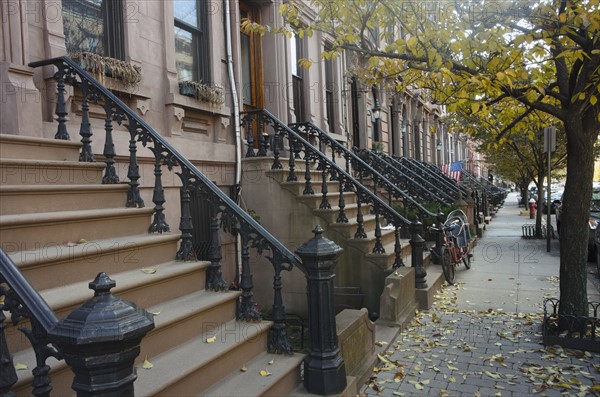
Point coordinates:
pixel 359 269
pixel 61 227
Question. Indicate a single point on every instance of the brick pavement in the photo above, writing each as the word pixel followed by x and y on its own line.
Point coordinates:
pixel 453 352
pixel 482 337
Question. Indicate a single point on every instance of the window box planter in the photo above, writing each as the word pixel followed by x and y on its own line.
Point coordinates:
pixel 210 93
pixel 126 73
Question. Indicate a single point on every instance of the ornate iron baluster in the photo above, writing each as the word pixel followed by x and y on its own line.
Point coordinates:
pixel 186 250
pixel 262 142
pixel 276 163
pixel 85 130
pixel 159 223
pixel 110 175
pixel 417 246
pixel 214 276
pixel 61 108
pixel 278 340
pixel 398 262
pixel 321 163
pixel 41 385
pixel 246 307
pixel 342 218
pixel 8 373
pixel 308 189
pixel 292 163
pixel 133 172
pixel 324 200
pixel 378 248
pixel 250 137
pixel 360 228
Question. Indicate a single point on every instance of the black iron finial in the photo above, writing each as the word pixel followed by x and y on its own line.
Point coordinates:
pixel 102 284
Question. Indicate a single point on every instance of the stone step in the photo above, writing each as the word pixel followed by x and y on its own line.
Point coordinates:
pixel 284 377
pixel 193 367
pixel 176 322
pixel 26 199
pixel 171 280
pixel 48 172
pixel 297 188
pixel 78 262
pixel 35 231
pixel 26 147
pixel 184 318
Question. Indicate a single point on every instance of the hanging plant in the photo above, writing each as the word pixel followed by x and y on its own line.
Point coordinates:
pixel 130 75
pixel 203 92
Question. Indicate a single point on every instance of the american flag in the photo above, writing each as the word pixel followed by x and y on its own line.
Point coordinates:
pixel 453 170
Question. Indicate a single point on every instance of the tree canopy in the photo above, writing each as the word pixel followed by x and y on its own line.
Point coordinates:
pixel 494 59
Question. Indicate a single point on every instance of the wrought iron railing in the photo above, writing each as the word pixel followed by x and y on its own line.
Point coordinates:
pixel 224 212
pixel 429 171
pixel 572 332
pixel 22 301
pixel 410 181
pixel 301 150
pixel 364 169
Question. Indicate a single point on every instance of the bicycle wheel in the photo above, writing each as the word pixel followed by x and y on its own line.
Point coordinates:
pixel 447 266
pixel 467 259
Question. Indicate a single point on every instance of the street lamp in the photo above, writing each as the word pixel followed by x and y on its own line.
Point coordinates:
pixel 375 116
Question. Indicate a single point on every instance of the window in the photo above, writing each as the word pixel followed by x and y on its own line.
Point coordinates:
pixel 330 99
pixel 94 26
pixel 191 40
pixel 297 53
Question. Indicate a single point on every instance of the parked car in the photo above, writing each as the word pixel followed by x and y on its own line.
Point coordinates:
pixel 593 223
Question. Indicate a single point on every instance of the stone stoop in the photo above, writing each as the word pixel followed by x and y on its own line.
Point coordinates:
pixel 62 227
pixel 358 269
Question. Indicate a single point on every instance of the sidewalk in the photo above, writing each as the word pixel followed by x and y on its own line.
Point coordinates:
pixel 483 336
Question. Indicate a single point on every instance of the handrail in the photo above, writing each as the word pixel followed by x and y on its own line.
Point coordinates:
pixel 389 213
pixel 430 170
pixel 27 295
pixel 172 154
pixel 21 300
pixel 382 160
pixel 361 166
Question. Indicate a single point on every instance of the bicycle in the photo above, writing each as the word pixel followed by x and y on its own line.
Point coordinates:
pixel 455 248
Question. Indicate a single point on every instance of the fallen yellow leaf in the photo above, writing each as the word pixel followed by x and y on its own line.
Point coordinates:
pixel 147 364
pixel 244 369
pixel 20 367
pixel 155 313
pixel 264 372
pixel 272 362
pixel 82 241
pixel 149 270
pixel 211 339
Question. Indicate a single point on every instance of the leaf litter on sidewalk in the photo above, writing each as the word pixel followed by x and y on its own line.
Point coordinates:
pixel 444 348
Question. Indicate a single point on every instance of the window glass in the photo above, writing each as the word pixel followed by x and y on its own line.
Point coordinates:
pixel 246 70
pixel 186 11
pixel 184 54
pixel 192 55
pixel 83 26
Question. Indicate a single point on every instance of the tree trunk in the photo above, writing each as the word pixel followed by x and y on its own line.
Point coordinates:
pixel 574 230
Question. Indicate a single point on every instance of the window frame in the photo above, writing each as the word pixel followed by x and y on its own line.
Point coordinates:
pixel 113 30
pixel 298 78
pixel 330 94
pixel 201 52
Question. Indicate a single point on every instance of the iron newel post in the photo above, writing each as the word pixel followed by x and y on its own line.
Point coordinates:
pixel 100 341
pixel 324 370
